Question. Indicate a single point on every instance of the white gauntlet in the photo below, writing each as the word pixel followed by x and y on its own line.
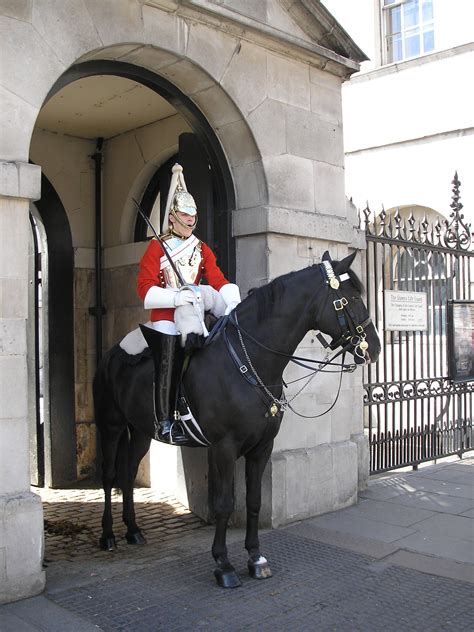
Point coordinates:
pixel 167 297
pixel 159 298
pixel 185 296
pixel 231 295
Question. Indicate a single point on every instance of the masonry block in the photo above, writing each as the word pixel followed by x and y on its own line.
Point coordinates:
pixel 216 105
pixel 245 77
pixel 13 386
pixel 210 49
pixel 117 22
pixel 43 65
pixel 329 195
pixel 21 546
pixel 288 81
pixel 165 30
pixel 67 27
pixel 309 482
pixel 187 76
pixel 238 143
pixel 290 182
pixel 326 97
pixel 20 180
pixel 268 124
pixel 310 136
pixel 14 456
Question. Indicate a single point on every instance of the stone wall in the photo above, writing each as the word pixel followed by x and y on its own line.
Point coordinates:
pixel 85 362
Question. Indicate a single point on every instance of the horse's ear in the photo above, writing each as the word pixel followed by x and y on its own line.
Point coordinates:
pixel 345 264
pixel 326 256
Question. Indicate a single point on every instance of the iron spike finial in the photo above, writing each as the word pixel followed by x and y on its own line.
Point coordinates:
pixel 458 233
pixel 367 214
pixel 424 228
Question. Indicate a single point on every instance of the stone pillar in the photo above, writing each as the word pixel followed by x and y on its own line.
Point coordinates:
pixel 21 512
pixel 317 465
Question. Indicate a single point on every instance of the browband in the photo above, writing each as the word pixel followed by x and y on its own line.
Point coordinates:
pixel 334 280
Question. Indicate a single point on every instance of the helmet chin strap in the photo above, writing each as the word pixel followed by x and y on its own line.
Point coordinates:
pixel 181 223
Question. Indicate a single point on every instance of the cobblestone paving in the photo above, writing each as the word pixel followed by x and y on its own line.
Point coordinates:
pixel 315 587
pixel 73 520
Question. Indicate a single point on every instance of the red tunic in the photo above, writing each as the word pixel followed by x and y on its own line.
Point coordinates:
pixel 149 275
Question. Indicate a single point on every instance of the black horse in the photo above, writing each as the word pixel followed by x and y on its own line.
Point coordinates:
pixel 235 391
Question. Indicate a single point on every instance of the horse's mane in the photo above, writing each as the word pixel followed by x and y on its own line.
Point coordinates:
pixel 267 295
pixel 356 282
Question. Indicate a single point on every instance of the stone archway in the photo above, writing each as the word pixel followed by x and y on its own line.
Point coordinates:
pixel 224 182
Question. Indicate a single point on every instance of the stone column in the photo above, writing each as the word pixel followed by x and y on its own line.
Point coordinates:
pixel 21 512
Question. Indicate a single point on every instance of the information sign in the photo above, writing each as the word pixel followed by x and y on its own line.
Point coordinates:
pixel 406 311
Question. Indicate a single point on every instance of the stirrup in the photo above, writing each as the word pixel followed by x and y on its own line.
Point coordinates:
pixel 171 432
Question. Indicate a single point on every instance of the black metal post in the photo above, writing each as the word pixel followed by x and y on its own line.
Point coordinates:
pixel 98 310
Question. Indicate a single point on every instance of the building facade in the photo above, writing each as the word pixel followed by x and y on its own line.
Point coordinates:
pixel 98 99
pixel 408 120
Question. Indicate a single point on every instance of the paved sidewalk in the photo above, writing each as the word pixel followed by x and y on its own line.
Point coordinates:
pixel 420 519
pixel 402 559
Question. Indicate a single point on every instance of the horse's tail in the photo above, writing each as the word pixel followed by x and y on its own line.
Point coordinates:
pixel 104 401
pixel 108 418
pixel 122 460
pixel 100 392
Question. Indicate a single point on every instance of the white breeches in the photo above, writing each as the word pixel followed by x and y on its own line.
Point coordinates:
pixel 166 327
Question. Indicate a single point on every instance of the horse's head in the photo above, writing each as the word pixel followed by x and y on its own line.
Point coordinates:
pixel 342 313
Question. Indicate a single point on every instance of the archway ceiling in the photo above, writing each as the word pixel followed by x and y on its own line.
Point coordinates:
pixel 102 106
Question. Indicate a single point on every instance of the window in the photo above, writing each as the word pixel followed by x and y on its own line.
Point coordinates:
pixel 409 29
pixel 419 270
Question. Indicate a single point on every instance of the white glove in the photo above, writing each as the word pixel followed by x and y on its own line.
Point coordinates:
pixel 230 307
pixel 159 297
pixel 184 297
pixel 231 295
pixel 166 297
pixel 209 298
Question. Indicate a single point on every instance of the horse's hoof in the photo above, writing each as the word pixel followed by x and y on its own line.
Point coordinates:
pixel 259 569
pixel 227 579
pixel 108 544
pixel 136 538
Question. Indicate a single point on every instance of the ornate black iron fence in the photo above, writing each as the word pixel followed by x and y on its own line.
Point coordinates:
pixel 416 266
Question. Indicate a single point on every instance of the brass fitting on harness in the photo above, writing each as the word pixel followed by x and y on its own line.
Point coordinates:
pixel 339 303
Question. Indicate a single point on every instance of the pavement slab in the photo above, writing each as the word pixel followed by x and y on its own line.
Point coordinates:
pixel 388 513
pixel 432 502
pixel 456 527
pixel 441 546
pixel 442 486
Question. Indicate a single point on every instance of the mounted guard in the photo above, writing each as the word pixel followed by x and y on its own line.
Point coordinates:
pixel 169 277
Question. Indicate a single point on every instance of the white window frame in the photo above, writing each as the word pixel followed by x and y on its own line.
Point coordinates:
pixel 421 26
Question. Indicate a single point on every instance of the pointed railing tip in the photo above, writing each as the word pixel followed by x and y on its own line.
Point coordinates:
pixel 453 233
pixel 458 233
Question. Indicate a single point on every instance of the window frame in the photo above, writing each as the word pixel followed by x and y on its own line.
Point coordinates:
pixel 420 28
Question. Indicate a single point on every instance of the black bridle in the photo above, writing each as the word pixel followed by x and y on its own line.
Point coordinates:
pixel 352 335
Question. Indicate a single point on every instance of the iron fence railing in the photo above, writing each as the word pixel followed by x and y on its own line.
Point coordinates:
pixel 414 411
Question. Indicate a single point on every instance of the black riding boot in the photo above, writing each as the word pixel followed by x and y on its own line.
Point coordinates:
pixel 168 358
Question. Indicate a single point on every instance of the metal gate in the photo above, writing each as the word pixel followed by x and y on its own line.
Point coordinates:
pixel 417 268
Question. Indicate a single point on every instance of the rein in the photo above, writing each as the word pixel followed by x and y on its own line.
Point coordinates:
pixel 282 403
pixel 352 335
